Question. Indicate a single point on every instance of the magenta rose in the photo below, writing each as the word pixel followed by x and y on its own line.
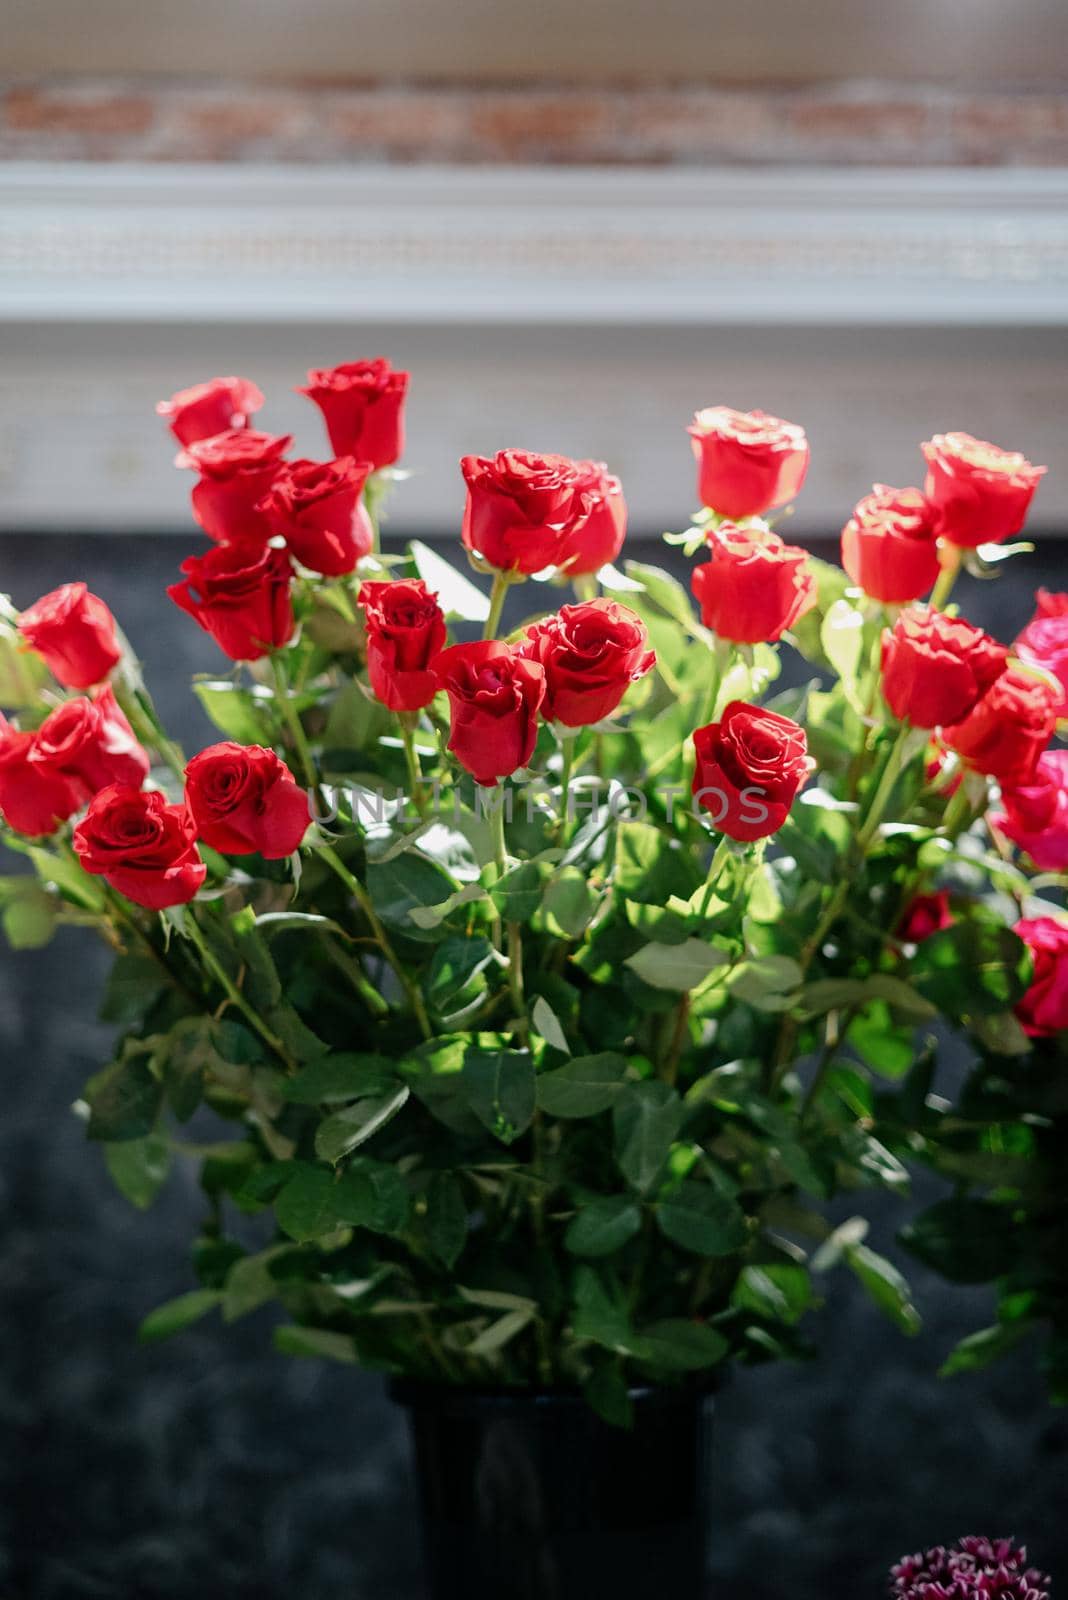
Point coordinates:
pixel 1044 1008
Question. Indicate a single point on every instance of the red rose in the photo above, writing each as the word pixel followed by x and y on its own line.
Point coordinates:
pixel 405 634
pixel 91 744
pixel 1044 1008
pixel 748 462
pixel 981 494
pixel 924 915
pixel 75 633
pixel 237 470
pixel 210 408
pixel 362 403
pixel 33 800
pixel 243 799
pixel 1035 818
pixel 240 595
pixel 591 653
pixel 935 668
pixel 596 538
pixel 755 587
pixel 495 695
pixel 1044 642
pixel 522 508
pixel 750 766
pixel 1008 730
pixel 889 547
pixel 141 846
pixel 315 507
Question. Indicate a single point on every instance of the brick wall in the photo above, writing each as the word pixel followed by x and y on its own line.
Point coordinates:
pixel 852 122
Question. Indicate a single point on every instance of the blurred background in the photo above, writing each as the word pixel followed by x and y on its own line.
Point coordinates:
pixel 574 225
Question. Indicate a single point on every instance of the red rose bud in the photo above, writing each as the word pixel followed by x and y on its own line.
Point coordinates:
pixel 522 508
pixel 591 653
pixel 240 595
pixel 75 633
pixel 750 766
pixel 1044 1008
pixel 210 408
pixel 237 470
pixel 315 507
pixel 755 587
pixel 925 914
pixel 1044 642
pixel 244 799
pixel 1008 730
pixel 748 462
pixel 405 634
pixel 495 695
pixel 141 846
pixel 935 668
pixel 980 493
pixel 596 538
pixel 362 403
pixel 889 547
pixel 33 800
pixel 1035 818
pixel 91 745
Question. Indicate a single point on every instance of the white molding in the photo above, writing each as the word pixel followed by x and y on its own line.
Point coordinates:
pixel 533 246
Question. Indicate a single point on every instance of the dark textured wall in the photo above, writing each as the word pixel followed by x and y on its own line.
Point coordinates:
pixel 210 1467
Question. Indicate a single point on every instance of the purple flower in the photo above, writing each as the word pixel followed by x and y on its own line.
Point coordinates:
pixel 973 1569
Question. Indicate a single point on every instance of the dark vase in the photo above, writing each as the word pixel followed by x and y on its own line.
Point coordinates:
pixel 530 1496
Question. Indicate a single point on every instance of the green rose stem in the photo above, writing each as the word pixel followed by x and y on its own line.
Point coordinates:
pixel 211 963
pixel 567 764
pixel 408 722
pixel 291 717
pixel 950 557
pixel 515 937
pixel 835 906
pixel 137 704
pixel 382 939
pixel 498 595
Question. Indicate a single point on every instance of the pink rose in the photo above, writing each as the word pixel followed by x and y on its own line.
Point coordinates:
pixel 1044 642
pixel 1035 818
pixel 1044 1008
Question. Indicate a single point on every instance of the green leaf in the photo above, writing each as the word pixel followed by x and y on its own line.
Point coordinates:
pixel 316 1343
pixel 517 894
pixel 646 1121
pixel 604 1226
pixel 345 1130
pixel 372 1194
pixel 124 1100
pixel 134 984
pixel 650 866
pixel 677 967
pixel 139 1168
pixel 765 982
pixel 446 1217
pixel 678 1345
pixel 984 1347
pixel 500 1333
pixel 250 1284
pixel 242 714
pixel 699 1218
pixel 600 1313
pixel 547 1025
pixel 307 1206
pixel 69 878
pixel 23 673
pixel 457 975
pixel 842 638
pixel 664 590
pixel 776 1291
pixel 885 1285
pixel 499 1087
pixel 973 968
pixel 177 1314
pixel 457 596
pixel 345 1076
pixel 584 1087
pixel 568 902
pixel 966 1240
pixel 27 914
pixel 183 1057
pixel 408 880
pixel 606 1392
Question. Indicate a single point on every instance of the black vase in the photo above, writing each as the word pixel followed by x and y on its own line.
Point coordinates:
pixel 530 1496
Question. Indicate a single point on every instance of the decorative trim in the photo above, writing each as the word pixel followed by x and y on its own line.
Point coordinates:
pixel 530 245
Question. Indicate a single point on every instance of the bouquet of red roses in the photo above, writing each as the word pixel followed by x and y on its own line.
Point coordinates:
pixel 523 992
